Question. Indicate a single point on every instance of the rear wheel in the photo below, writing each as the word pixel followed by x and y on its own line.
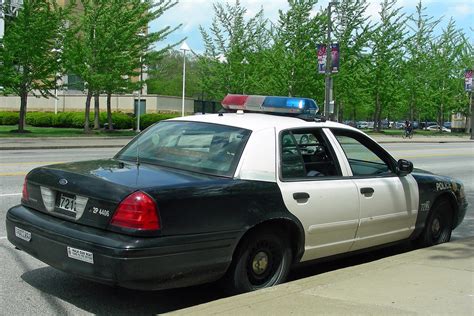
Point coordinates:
pixel 439 225
pixel 262 260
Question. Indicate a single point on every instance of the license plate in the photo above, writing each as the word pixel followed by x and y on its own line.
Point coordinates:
pixel 22 234
pixel 80 255
pixel 67 203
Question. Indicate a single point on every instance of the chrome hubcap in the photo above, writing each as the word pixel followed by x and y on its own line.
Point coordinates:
pixel 260 263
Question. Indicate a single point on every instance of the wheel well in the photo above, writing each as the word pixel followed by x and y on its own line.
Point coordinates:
pixel 280 226
pixel 452 201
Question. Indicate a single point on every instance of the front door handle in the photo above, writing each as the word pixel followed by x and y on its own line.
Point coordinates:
pixel 300 196
pixel 367 190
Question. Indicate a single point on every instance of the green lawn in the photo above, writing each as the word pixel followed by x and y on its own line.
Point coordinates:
pixel 9 131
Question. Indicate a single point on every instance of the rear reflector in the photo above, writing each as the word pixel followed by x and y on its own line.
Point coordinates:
pixel 137 211
pixel 49 197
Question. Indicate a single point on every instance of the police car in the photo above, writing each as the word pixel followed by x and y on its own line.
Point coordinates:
pixel 237 196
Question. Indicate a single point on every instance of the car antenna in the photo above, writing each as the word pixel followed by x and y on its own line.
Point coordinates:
pixel 138 152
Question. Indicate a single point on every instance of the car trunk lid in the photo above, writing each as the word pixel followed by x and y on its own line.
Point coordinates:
pixel 89 192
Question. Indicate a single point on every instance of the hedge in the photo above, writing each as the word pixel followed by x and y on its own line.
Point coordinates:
pixel 76 119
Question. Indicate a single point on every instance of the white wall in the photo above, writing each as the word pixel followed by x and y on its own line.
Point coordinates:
pixel 76 102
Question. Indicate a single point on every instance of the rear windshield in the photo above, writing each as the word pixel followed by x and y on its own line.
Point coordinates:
pixel 193 146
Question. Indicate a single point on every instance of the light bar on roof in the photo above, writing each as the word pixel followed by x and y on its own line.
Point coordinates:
pixel 271 104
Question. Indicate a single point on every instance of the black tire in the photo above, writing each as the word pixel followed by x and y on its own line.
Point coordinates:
pixel 263 259
pixel 439 225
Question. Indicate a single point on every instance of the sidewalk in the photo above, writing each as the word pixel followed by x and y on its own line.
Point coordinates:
pixel 432 281
pixel 20 143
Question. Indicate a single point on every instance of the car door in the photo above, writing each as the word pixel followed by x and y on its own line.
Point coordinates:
pixel 314 190
pixel 388 202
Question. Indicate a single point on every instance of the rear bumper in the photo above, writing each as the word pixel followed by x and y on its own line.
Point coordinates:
pixel 131 262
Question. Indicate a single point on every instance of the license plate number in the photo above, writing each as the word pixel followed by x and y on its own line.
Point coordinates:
pixel 67 203
pixel 22 234
pixel 80 255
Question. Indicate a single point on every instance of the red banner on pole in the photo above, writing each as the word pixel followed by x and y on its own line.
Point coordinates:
pixel 321 58
pixel 468 80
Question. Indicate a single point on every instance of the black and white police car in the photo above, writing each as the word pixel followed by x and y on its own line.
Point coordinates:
pixel 234 196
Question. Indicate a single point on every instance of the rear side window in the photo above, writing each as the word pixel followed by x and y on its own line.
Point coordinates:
pixel 306 154
pixel 193 146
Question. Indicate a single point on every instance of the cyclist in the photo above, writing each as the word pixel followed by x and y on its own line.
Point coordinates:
pixel 408 129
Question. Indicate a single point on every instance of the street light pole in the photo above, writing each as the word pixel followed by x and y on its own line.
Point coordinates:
pixel 139 95
pixel 328 94
pixel 184 48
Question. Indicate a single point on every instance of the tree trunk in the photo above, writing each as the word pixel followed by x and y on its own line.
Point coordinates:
pixel 340 114
pixel 378 112
pixel 96 111
pixel 109 111
pixel 87 128
pixel 23 104
pixel 440 117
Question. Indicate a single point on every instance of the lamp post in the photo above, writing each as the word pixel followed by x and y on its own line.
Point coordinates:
pixel 244 64
pixel 184 48
pixel 139 101
pixel 328 94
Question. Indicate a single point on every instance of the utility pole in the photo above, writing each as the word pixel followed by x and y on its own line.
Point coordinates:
pixel 328 90
pixel 472 114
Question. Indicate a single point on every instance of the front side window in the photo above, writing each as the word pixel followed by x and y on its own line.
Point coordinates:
pixel 193 146
pixel 364 161
pixel 305 154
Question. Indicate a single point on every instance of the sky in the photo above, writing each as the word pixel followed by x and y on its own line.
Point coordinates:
pixel 193 13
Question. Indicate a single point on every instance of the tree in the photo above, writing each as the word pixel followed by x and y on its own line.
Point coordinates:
pixel 231 48
pixel 166 74
pixel 31 53
pixel 108 44
pixel 352 32
pixel 387 44
pixel 447 70
pixel 293 59
pixel 417 75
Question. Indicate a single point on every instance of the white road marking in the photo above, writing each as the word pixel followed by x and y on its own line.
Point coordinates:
pixel 3 237
pixel 10 194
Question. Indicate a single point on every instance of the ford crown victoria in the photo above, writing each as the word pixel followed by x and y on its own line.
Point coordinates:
pixel 239 197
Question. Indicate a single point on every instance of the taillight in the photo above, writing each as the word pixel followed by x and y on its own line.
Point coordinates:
pixel 24 192
pixel 137 211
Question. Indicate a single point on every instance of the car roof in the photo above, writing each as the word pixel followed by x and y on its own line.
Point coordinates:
pixel 256 121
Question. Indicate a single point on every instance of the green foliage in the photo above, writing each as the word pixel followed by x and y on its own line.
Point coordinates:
pixel 108 44
pixel 120 120
pixel 31 54
pixel 9 118
pixel 234 50
pixel 292 56
pixel 71 119
pixel 166 75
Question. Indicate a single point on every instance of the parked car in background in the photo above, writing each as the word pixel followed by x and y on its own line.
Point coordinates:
pixel 400 125
pixel 362 124
pixel 436 128
pixel 425 125
pixel 447 125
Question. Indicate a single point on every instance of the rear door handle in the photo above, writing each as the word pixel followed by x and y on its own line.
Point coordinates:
pixel 300 196
pixel 367 190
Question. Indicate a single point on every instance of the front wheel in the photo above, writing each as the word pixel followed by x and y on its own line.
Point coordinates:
pixel 439 225
pixel 263 259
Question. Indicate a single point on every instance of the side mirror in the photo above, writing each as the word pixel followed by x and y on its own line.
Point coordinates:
pixel 404 167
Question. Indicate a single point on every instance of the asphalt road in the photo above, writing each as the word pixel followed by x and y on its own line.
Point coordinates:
pixel 28 286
